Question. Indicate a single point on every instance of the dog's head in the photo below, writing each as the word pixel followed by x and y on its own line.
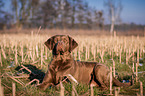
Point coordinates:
pixel 60 44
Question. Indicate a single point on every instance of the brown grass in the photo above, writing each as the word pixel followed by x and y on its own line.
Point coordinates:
pixel 23 48
pixel 72 32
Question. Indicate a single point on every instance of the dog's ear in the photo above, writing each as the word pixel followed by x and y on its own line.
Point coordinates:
pixel 49 43
pixel 72 44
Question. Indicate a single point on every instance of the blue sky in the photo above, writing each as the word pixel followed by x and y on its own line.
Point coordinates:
pixel 133 10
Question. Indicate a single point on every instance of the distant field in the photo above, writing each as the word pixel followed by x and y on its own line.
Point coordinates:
pixel 134 32
pixel 120 52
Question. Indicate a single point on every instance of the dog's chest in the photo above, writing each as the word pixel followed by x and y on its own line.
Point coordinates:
pixel 61 65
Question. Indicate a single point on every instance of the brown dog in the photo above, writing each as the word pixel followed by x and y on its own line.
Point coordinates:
pixel 63 64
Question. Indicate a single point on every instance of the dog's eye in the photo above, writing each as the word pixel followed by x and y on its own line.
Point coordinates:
pixel 65 40
pixel 55 40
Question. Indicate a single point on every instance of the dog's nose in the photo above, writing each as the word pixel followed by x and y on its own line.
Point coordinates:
pixel 60 43
pixel 60 47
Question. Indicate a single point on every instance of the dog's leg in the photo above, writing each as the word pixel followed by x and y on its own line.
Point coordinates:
pixel 103 86
pixel 47 81
pixel 62 72
pixel 93 83
pixel 101 76
pixel 45 85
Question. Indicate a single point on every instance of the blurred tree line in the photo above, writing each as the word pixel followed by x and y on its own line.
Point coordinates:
pixel 51 14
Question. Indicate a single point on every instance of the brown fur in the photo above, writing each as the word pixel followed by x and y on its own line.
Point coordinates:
pixel 63 64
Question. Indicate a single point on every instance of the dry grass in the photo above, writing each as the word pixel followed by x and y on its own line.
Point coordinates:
pixel 118 52
pixel 73 32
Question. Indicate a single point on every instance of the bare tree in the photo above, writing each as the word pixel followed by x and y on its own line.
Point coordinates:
pixel 15 9
pixel 34 6
pixel 23 11
pixel 98 19
pixel 114 8
pixel 53 14
pixel 89 19
pixel 81 13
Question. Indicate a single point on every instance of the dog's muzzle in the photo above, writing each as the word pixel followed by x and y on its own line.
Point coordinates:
pixel 60 48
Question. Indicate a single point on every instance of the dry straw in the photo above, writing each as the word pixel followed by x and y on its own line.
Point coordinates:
pixel 1 59
pixel 13 89
pixel 1 89
pixel 110 80
pixel 61 89
pixel 32 50
pixel 141 89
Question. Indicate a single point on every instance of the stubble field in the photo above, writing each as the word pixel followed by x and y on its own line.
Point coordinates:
pixel 23 55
